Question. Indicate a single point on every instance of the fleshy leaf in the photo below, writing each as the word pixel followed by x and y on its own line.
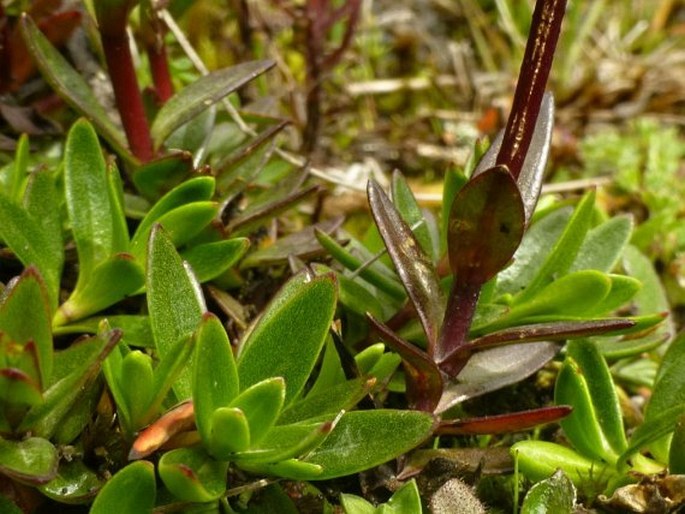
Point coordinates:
pixel 192 475
pixel 74 483
pixel 486 225
pixel 364 439
pixel 229 433
pixel 174 299
pixel 210 260
pixel 199 95
pixel 603 245
pixel 412 264
pixel 215 378
pixel 159 176
pixel 32 460
pixel 554 495
pixel 25 317
pixel 71 85
pixel 262 404
pixel 287 339
pixel 131 490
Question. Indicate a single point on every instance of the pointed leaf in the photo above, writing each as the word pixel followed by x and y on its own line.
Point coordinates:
pixel 159 176
pixel 564 252
pixel 70 85
pixel 486 225
pixel 33 460
pixel 364 439
pixel 603 245
pixel 288 337
pixel 199 95
pixel 262 404
pixel 174 299
pixel 18 388
pixel 555 495
pixel 210 260
pixel 192 475
pixel 415 269
pixel 109 282
pixel 408 208
pixel 504 423
pixel 25 317
pixel 132 490
pixel 215 378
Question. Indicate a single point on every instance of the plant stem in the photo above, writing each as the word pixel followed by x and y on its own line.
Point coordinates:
pixel 535 68
pixel 461 307
pixel 159 67
pixel 127 94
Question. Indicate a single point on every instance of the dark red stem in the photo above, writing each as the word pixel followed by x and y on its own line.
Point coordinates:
pixel 535 68
pixel 461 307
pixel 159 67
pixel 127 94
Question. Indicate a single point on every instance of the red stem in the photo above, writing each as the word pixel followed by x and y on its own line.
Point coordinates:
pixel 127 94
pixel 461 307
pixel 159 67
pixel 535 68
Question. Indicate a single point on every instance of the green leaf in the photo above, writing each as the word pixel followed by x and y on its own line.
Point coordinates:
pixel 25 317
pixel 167 371
pixel 33 460
pixel 603 245
pixel 199 95
pixel 197 189
pixel 364 439
pixel 285 442
pixel 538 460
pixel 554 495
pixel 136 384
pixel 19 169
pixel 109 282
pixel 192 475
pixel 181 224
pixel 174 299
pixel 74 483
pixel 623 289
pixel 287 339
pixel 71 86
pixel 406 500
pixel 565 250
pixel 136 328
pixel 676 453
pixel 43 420
pixel 89 204
pixel 229 433
pixel 132 490
pixel 215 377
pixel 353 504
pixel 18 388
pixel 486 225
pixel 408 207
pixel 262 404
pixel 26 238
pixel 416 271
pixel 210 260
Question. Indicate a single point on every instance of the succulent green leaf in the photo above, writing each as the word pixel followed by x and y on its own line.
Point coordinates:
pixel 416 271
pixel 136 384
pixel 74 483
pixel 25 317
pixel 560 259
pixel 71 86
pixel 554 495
pixel 486 225
pixel 136 328
pixel 603 245
pixel 353 504
pixel 364 439
pixel 286 442
pixel 215 377
pixel 583 426
pixel 229 433
pixel 132 490
pixel 201 94
pixel 192 475
pixel 33 460
pixel 167 371
pixel 24 235
pixel 89 205
pixel 538 460
pixel 43 420
pixel 160 176
pixel 19 169
pixel 292 468
pixel 329 401
pixel 262 404
pixel 331 370
pixel 18 388
pixel 405 500
pixel 197 189
pixel 109 282
pixel 120 235
pixel 210 260
pixel 288 337
pixel 174 299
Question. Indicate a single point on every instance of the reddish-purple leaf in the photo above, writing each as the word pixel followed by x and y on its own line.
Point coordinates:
pixel 415 269
pixel 504 423
pixel 486 225
pixel 424 380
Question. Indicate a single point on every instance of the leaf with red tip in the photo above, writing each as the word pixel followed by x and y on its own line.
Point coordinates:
pixel 412 264
pixel 486 225
pixel 504 423
pixel 424 380
pixel 179 419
